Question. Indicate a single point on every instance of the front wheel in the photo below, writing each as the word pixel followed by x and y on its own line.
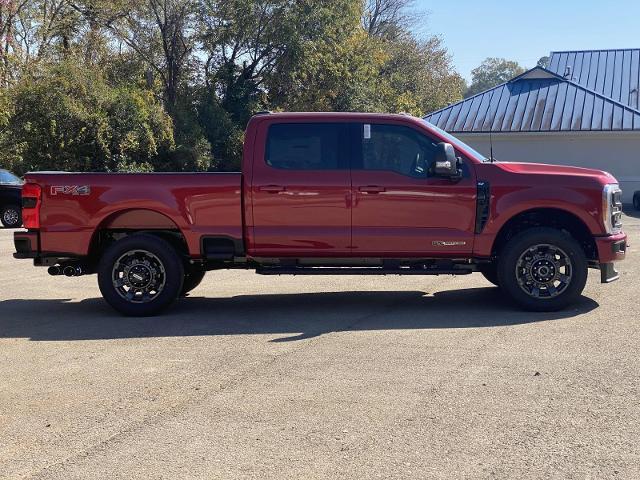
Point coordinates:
pixel 543 269
pixel 140 275
pixel 11 217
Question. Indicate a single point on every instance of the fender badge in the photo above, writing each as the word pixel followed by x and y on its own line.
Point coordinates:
pixel 444 243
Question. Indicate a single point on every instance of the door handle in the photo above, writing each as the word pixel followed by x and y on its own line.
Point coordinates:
pixel 272 188
pixel 372 189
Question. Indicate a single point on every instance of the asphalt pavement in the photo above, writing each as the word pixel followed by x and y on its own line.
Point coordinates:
pixel 318 377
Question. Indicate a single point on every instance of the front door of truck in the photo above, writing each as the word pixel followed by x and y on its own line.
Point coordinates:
pixel 400 208
pixel 301 191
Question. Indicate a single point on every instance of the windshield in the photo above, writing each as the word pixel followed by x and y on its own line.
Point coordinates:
pixel 457 143
pixel 7 178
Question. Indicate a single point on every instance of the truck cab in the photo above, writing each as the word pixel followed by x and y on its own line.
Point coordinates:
pixel 331 194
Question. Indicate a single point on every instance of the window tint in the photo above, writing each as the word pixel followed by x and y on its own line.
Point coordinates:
pixel 307 146
pixel 398 149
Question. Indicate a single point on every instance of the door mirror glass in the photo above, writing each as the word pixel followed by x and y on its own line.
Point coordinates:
pixel 445 162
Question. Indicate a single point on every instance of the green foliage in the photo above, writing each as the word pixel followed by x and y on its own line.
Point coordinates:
pixel 170 85
pixel 70 119
pixel 492 72
pixel 418 76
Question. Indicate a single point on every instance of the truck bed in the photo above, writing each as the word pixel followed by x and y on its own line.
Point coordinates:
pixel 75 205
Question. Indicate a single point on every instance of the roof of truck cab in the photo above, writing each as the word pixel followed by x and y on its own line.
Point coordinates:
pixel 337 115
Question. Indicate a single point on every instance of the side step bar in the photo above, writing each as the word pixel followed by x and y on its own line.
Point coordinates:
pixel 358 271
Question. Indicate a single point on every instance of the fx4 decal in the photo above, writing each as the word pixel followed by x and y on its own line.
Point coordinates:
pixel 75 190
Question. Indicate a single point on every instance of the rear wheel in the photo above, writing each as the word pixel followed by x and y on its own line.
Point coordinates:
pixel 543 269
pixel 11 216
pixel 140 275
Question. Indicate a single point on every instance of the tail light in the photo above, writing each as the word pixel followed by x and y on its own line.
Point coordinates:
pixel 31 200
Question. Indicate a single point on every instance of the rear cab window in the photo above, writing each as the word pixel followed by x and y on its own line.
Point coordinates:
pixel 307 146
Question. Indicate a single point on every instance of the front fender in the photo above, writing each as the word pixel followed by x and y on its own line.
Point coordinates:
pixel 507 203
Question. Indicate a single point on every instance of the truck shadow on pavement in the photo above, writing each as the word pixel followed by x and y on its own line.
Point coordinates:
pixel 296 316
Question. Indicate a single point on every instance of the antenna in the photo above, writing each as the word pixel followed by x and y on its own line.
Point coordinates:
pixel 491 159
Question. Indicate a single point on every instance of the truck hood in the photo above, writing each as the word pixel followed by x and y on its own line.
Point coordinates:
pixel 556 170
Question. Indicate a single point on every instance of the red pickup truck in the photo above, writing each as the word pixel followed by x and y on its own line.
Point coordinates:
pixel 330 194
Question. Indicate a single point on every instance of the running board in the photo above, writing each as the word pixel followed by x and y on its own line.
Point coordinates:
pixel 358 271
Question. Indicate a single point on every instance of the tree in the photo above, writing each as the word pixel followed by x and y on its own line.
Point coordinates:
pixel 492 72
pixel 544 62
pixel 71 120
pixel 389 19
pixel 334 65
pixel 171 84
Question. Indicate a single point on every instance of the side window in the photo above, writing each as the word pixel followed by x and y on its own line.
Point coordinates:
pixel 307 146
pixel 398 149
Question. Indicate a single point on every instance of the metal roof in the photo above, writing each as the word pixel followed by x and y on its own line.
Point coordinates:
pixel 613 73
pixel 539 100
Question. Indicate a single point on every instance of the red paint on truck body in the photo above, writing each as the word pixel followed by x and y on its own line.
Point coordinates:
pixel 197 204
pixel 326 213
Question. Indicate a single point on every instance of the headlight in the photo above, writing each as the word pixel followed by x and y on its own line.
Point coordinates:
pixel 612 208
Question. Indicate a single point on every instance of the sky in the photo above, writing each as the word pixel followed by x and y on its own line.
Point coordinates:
pixel 526 31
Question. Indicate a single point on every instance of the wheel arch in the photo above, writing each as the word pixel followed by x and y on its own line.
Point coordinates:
pixel 547 217
pixel 126 222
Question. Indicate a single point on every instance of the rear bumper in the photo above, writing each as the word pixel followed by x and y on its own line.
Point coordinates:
pixel 611 249
pixel 26 244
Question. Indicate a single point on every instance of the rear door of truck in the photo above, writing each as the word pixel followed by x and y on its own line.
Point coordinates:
pixel 301 190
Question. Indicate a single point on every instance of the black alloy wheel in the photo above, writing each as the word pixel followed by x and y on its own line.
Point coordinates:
pixel 140 275
pixel 543 269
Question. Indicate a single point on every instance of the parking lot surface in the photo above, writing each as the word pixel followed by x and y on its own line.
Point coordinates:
pixel 318 377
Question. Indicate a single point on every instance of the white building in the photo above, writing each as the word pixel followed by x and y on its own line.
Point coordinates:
pixel 582 110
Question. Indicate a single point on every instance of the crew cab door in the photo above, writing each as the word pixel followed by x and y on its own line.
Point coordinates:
pixel 400 208
pixel 301 190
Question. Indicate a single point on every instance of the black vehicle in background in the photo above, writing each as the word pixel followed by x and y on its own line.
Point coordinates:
pixel 10 199
pixel 636 200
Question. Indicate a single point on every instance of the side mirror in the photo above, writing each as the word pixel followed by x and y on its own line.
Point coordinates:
pixel 446 162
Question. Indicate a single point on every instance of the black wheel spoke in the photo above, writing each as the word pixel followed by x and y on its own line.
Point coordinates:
pixel 544 271
pixel 138 276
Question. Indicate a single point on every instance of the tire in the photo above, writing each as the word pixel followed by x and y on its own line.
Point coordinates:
pixel 490 272
pixel 192 279
pixel 11 216
pixel 140 275
pixel 636 200
pixel 543 269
